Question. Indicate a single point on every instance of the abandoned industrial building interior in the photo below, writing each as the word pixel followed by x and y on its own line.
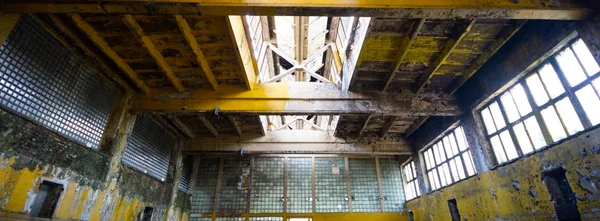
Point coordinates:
pixel 299 110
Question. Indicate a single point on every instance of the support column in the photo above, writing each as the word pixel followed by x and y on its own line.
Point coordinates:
pixel 123 122
pixel 7 23
pixel 419 169
pixel 481 152
pixel 175 172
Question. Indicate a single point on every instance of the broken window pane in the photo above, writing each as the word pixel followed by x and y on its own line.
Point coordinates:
pixel 551 81
pixel 497 115
pixel 523 138
pixel 498 149
pixel 509 146
pixel 488 121
pixel 570 67
pixel 509 107
pixel 460 137
pixel 586 58
pixel 537 90
pixel 469 163
pixel 569 116
pixel 553 124
pixel 518 94
pixel 537 138
pixel 590 103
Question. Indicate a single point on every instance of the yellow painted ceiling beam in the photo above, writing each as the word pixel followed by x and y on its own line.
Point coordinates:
pixel 434 9
pixel 237 33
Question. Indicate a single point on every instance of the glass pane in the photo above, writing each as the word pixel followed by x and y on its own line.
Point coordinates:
pixel 509 107
pixel 413 169
pixel 431 181
pixel 460 168
pixel 442 176
pixel 426 156
pixel 497 115
pixel 436 153
pixel 509 146
pixel 537 90
pixel 570 67
pixel 440 147
pixel 449 151
pixel 553 124
pixel 523 138
pixel 453 143
pixel 447 173
pixel 569 116
pixel 551 81
pixel 521 100
pixel 453 169
pixel 498 149
pixel 469 163
pixel 590 103
pixel 586 58
pixel 460 138
pixel 431 159
pixel 533 128
pixel 488 121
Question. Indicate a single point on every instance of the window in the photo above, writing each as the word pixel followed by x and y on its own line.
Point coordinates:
pixel 448 160
pixel 411 184
pixel 46 82
pixel 553 102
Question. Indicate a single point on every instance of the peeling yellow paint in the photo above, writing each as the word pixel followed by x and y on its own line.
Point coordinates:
pixel 25 181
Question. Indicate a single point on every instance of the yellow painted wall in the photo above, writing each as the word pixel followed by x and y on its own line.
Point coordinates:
pixel 516 192
pixel 360 216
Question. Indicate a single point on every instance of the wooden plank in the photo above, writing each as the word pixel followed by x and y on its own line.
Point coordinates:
pixel 388 126
pixel 209 126
pixel 157 55
pixel 104 47
pixel 233 121
pixel 184 27
pixel 364 126
pixel 242 47
pixel 406 45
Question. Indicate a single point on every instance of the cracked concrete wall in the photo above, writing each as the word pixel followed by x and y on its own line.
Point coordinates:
pixel 516 192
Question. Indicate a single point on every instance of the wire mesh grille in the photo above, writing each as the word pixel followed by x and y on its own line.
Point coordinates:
pixel 363 180
pixel 391 180
pixel 186 173
pixel 149 148
pixel 331 188
pixel 42 80
pixel 232 198
pixel 267 186
pixel 206 184
pixel 230 219
pixel 299 185
pixel 266 218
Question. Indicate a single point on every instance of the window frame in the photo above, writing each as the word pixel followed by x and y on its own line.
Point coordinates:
pixel 568 93
pixel 440 140
pixel 414 181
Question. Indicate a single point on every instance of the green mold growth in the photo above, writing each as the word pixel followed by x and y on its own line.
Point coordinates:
pixel 183 201
pixel 137 185
pixel 35 146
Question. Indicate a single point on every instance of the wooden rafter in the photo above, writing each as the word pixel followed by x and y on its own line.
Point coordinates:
pixel 157 55
pixel 184 27
pixel 388 125
pixel 364 126
pixel 236 124
pixel 237 33
pixel 450 45
pixel 406 45
pixel 182 126
pixel 209 126
pixel 104 47
pixel 414 126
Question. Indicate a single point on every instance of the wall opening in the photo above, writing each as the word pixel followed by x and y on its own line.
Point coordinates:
pixel 46 199
pixel 147 214
pixel 454 210
pixel 561 194
pixel 411 216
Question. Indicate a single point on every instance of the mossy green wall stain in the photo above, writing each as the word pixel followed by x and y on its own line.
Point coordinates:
pixel 183 200
pixel 137 185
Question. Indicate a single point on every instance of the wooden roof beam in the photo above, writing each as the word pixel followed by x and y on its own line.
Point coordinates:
pixel 157 55
pixel 209 126
pixel 235 124
pixel 364 126
pixel 182 126
pixel 184 27
pixel 406 45
pixel 241 45
pixel 449 46
pixel 104 47
pixel 386 128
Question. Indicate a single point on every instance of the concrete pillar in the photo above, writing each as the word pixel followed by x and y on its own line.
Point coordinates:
pixel 473 128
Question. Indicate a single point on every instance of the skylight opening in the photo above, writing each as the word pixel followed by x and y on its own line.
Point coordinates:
pixel 301 122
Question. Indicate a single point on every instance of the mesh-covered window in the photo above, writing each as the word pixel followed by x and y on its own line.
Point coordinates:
pixel 267 185
pixel 448 160
pixel 232 197
pixel 299 185
pixel 206 184
pixel 42 80
pixel 330 185
pixel 557 100
pixel 186 173
pixel 266 218
pixel 149 148
pixel 411 184
pixel 364 186
pixel 391 180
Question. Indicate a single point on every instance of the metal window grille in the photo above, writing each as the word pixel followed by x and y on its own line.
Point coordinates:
pixel 266 218
pixel 232 198
pixel 364 185
pixel 149 148
pixel 411 184
pixel 42 80
pixel 267 185
pixel 204 192
pixel 299 185
pixel 391 180
pixel 558 99
pixel 186 173
pixel 330 185
pixel 448 160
